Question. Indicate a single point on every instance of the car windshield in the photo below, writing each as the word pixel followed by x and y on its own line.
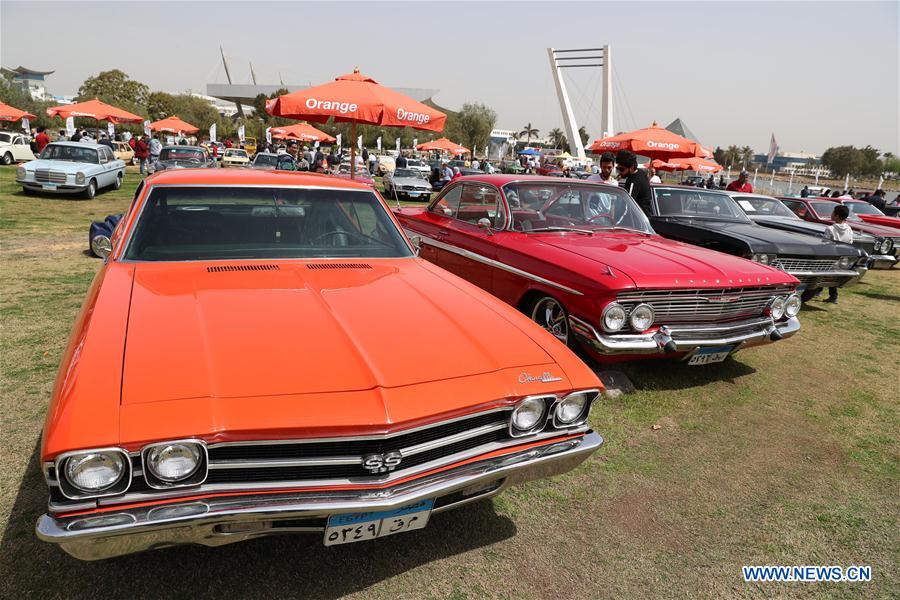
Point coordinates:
pixel 758 205
pixel 360 170
pixel 406 173
pixel 241 153
pixel 575 206
pixel 265 160
pixel 863 208
pixel 411 162
pixel 223 222
pixel 181 154
pixel 824 208
pixel 698 204
pixel 70 153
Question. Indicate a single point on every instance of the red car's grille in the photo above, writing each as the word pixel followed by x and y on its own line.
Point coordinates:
pixel 704 306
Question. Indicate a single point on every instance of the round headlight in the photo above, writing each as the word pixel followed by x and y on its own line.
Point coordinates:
pixel 886 245
pixel 843 263
pixel 613 317
pixel 173 462
pixel 571 407
pixel 20 173
pixel 792 305
pixel 777 307
pixel 79 178
pixel 95 471
pixel 641 317
pixel 528 414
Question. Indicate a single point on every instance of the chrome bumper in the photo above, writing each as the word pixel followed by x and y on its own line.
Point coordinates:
pixel 219 521
pixel 685 338
pixel 882 261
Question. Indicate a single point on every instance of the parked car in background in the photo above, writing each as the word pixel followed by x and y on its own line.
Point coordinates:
pixel 249 144
pixel 418 165
pixel 237 372
pixel 406 183
pixel 124 152
pixel 771 212
pixel 582 261
pixel 695 181
pixel 183 157
pixel 14 147
pixel 712 219
pixel 361 174
pixel 818 210
pixel 386 164
pixel 869 213
pixel 100 236
pixel 72 168
pixel 270 161
pixel 511 167
pixel 235 157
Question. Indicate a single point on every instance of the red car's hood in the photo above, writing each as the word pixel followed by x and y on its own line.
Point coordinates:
pixel 885 220
pixel 652 261
pixel 193 333
pixel 876 229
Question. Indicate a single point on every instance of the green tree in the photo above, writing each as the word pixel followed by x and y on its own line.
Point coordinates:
pixel 528 132
pixel 842 160
pixel 116 88
pixel 557 137
pixel 732 155
pixel 16 96
pixel 471 126
pixel 160 105
pixel 719 155
pixel 583 134
pixel 746 156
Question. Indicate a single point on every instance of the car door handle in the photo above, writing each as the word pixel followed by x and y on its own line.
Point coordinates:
pixel 441 233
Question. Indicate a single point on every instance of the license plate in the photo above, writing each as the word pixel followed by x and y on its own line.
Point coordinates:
pixel 713 354
pixel 414 194
pixel 49 186
pixel 357 527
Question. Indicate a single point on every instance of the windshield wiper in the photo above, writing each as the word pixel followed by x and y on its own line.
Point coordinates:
pixel 584 231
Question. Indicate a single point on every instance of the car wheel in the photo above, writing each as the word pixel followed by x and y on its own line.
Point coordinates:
pixel 550 314
pixel 7 159
pixel 91 190
pixel 118 183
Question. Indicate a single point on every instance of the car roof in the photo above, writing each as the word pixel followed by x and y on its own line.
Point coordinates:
pixel 251 177
pixel 501 179
pixel 170 146
pixel 78 144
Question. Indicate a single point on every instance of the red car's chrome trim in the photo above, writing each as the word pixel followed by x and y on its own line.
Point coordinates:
pixel 491 262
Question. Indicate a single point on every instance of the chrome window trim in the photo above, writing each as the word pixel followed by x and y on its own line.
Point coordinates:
pixel 387 479
pixel 490 262
pixel 60 474
pixel 374 436
pixel 164 485
pixel 126 243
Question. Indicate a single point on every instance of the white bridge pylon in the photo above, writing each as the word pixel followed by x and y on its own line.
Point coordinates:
pixel 571 59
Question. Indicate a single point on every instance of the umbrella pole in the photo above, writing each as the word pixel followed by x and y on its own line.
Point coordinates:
pixel 353 150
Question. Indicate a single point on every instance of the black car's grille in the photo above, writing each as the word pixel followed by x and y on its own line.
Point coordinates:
pixel 704 306
pixel 805 264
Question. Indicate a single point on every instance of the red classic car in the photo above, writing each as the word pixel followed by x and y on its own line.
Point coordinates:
pixel 582 260
pixel 252 359
pixel 818 210
pixel 870 214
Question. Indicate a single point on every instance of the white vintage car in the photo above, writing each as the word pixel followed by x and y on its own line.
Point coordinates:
pixel 235 157
pixel 72 168
pixel 14 147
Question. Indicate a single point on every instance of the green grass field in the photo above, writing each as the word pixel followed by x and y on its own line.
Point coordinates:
pixel 786 454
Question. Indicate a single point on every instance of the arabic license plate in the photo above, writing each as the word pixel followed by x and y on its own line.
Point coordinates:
pixel 49 186
pixel 713 354
pixel 414 194
pixel 356 527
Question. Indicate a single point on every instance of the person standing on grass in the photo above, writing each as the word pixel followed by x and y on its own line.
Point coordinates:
pixel 41 140
pixel 142 152
pixel 838 232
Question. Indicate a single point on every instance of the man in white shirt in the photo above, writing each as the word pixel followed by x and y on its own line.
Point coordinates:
pixel 605 176
pixel 475 164
pixel 654 178
pixel 155 149
pixel 446 173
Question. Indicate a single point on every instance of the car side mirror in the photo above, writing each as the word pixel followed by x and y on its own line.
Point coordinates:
pixel 485 223
pixel 416 241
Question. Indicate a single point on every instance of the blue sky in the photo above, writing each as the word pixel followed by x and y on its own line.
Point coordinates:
pixel 816 74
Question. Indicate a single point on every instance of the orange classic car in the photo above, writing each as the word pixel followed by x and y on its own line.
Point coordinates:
pixel 264 353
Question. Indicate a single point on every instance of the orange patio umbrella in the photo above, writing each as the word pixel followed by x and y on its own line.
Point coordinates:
pixel 10 114
pixel 701 165
pixel 95 109
pixel 670 166
pixel 301 131
pixel 653 142
pixel 443 144
pixel 355 98
pixel 173 125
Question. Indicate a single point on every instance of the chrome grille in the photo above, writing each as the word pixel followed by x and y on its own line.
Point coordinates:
pixel 704 306
pixel 805 264
pixel 48 176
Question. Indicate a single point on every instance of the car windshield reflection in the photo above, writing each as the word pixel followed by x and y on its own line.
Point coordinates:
pixel 755 205
pixel 576 207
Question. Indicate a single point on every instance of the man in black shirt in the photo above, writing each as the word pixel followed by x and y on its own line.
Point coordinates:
pixel 636 181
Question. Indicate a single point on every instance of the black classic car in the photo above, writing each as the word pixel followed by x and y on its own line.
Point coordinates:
pixel 771 212
pixel 183 157
pixel 712 219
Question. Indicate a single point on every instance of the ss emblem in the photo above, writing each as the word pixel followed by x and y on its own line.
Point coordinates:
pixel 382 463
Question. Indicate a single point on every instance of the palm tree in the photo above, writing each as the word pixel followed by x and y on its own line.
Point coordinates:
pixel 746 156
pixel 583 134
pixel 557 137
pixel 732 155
pixel 528 133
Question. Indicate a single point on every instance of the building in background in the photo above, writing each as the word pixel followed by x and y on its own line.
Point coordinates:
pixel 798 163
pixel 223 107
pixel 30 80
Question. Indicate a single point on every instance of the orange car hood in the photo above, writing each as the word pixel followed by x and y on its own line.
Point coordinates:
pixel 196 330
